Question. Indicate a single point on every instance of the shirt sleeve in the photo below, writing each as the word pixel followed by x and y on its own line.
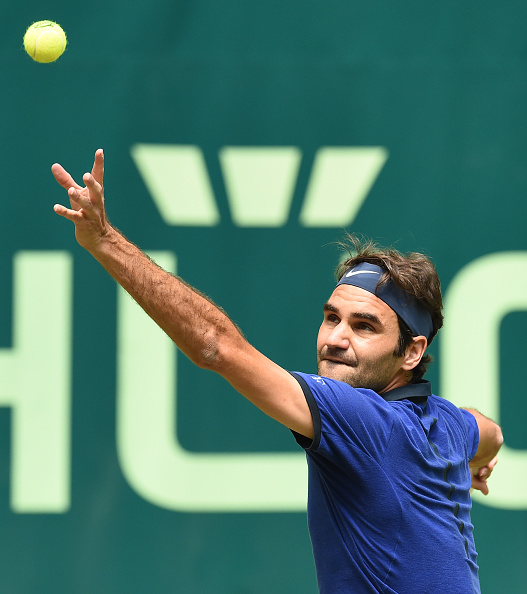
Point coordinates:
pixel 357 420
pixel 472 431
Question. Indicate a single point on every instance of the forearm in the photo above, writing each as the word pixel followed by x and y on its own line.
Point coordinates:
pixel 197 326
pixel 193 322
pixel 490 439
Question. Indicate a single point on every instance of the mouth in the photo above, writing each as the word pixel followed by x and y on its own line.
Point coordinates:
pixel 337 361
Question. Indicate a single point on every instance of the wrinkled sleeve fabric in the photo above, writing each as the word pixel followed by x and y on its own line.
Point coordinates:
pixel 341 414
pixel 472 432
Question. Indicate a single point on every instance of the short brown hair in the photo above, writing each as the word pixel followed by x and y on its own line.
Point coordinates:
pixel 413 272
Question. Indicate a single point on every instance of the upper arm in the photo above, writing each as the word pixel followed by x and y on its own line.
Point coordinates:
pixel 490 439
pixel 267 385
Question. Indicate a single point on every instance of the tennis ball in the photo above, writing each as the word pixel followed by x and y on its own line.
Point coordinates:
pixel 45 41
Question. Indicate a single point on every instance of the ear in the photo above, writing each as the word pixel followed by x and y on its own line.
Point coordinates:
pixel 414 353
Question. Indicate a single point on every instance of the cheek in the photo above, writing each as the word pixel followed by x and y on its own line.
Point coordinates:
pixel 320 345
pixel 369 351
pixel 320 338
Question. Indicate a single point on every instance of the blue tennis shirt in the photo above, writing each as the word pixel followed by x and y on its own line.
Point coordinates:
pixel 388 499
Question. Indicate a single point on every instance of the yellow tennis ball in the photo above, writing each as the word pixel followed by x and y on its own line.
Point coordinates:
pixel 45 41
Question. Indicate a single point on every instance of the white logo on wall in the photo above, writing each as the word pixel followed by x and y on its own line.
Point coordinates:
pixel 260 183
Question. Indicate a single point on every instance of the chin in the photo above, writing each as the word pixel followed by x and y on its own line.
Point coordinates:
pixel 336 371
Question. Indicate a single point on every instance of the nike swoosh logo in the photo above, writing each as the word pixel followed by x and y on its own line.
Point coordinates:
pixel 353 273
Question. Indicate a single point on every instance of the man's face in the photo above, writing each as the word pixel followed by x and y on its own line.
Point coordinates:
pixel 357 340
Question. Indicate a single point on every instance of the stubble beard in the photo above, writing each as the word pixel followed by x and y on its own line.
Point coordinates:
pixel 372 375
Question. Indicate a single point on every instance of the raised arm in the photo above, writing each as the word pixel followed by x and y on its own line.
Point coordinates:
pixel 490 441
pixel 197 326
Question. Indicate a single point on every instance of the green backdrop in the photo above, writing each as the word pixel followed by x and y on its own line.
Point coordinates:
pixel 241 140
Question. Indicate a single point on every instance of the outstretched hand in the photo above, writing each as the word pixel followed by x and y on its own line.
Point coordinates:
pixel 481 475
pixel 87 203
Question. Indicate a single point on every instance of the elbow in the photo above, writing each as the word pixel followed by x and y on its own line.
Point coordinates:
pixel 207 354
pixel 214 349
pixel 491 440
pixel 498 438
pixel 492 445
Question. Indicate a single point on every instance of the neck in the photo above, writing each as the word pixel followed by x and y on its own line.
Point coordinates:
pixel 401 378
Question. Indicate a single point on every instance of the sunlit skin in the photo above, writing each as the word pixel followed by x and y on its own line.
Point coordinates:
pixel 357 340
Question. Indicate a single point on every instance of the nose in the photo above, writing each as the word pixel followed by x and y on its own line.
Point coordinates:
pixel 338 337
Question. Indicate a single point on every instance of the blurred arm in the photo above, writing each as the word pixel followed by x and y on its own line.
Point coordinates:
pixel 490 442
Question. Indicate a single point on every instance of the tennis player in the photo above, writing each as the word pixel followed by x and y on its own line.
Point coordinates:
pixel 390 464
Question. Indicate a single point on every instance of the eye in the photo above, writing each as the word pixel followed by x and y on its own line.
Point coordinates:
pixel 332 318
pixel 364 327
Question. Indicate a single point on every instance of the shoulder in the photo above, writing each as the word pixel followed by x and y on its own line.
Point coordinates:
pixel 343 413
pixel 446 408
pixel 455 418
pixel 337 394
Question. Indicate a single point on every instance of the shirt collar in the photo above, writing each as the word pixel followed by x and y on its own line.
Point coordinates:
pixel 417 392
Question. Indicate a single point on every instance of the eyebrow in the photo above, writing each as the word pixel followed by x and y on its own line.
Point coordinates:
pixel 362 315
